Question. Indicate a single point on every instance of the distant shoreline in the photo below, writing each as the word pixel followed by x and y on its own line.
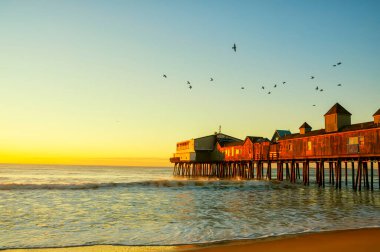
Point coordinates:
pixel 365 239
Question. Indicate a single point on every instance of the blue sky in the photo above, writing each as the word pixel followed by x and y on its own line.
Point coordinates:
pixel 83 79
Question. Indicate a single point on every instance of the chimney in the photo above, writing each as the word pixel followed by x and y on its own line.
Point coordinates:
pixel 305 128
pixel 336 118
pixel 376 117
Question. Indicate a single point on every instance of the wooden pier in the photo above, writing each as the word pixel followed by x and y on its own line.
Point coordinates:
pixel 362 171
pixel 339 154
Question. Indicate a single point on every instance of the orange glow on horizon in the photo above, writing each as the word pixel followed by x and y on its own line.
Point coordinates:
pixel 105 161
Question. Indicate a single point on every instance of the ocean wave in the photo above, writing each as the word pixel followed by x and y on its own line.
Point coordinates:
pixel 153 183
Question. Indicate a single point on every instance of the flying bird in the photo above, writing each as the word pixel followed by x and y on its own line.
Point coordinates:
pixel 283 82
pixel 275 86
pixel 321 90
pixel 242 87
pixel 165 76
pixel 234 47
pixel 263 87
pixel 312 77
pixel 269 92
pixel 190 87
pixel 188 82
pixel 339 63
pixel 211 79
pixel 313 105
pixel 334 65
pixel 316 88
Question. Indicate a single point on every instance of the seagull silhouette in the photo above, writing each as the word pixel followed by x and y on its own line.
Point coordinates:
pixel 316 88
pixel 269 92
pixel 312 77
pixel 190 87
pixel 211 79
pixel 334 65
pixel 242 87
pixel 339 85
pixel 263 87
pixel 165 76
pixel 313 105
pixel 275 86
pixel 283 82
pixel 321 90
pixel 188 82
pixel 234 47
pixel 339 63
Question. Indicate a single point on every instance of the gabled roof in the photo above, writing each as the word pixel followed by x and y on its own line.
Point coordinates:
pixel 225 140
pixel 337 109
pixel 282 133
pixel 377 113
pixel 264 139
pixel 220 136
pixel 279 134
pixel 305 126
pixel 253 139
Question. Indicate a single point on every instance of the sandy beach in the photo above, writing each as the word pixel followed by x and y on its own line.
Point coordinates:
pixel 347 240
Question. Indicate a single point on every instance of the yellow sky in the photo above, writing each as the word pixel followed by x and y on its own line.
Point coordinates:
pixel 81 82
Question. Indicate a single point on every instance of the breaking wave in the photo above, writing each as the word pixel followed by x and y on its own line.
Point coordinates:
pixel 157 183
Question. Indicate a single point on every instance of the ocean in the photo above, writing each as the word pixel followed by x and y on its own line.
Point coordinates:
pixel 59 206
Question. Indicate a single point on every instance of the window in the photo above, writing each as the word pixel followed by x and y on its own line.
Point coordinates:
pixel 353 145
pixel 361 140
pixel 309 145
pixel 290 147
pixel 353 140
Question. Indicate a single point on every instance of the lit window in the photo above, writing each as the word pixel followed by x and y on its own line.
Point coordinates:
pixel 361 139
pixel 353 140
pixel 309 145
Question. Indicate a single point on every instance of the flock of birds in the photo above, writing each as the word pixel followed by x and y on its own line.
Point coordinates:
pixel 234 47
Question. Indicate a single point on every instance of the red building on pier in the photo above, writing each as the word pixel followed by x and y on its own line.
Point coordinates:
pixel 339 139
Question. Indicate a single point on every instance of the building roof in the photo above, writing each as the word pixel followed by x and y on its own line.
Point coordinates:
pixel 337 109
pixel 377 113
pixel 282 133
pixel 236 143
pixel 220 136
pixel 254 139
pixel 305 126
pixel 353 127
pixel 359 126
pixel 225 140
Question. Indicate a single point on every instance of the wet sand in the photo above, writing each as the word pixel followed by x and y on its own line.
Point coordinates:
pixel 347 240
